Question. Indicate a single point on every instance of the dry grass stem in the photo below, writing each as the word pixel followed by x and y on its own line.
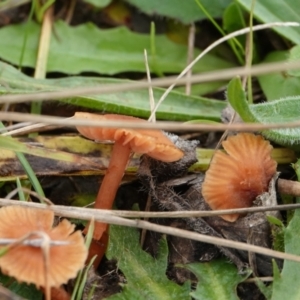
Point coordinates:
pixel 79 213
pixel 30 192
pixel 44 44
pixel 171 126
pixel 289 187
pixel 151 95
pixel 14 127
pixel 223 74
pixel 38 127
pixel 190 55
pixel 265 279
pixel 104 215
pixel 216 43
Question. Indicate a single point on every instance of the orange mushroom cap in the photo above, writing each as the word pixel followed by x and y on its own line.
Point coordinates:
pixel 26 263
pixel 235 179
pixel 151 142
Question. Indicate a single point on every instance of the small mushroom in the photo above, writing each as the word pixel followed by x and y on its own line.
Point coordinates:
pixel 27 262
pixel 235 179
pixel 151 142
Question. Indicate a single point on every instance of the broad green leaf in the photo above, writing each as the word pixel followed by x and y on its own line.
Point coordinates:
pixel 294 56
pixel 184 11
pixel 277 11
pixel 177 106
pixel 203 88
pixel 107 51
pixel 217 280
pixel 287 284
pixel 279 85
pixel 277 111
pixel 146 276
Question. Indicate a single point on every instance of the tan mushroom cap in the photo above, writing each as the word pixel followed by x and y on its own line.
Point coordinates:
pixel 26 263
pixel 151 142
pixel 235 179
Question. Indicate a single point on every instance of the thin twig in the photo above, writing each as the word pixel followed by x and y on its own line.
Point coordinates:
pixel 172 126
pixel 30 128
pixel 106 218
pixel 30 192
pixel 104 215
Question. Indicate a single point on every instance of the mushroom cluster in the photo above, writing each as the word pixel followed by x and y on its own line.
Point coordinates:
pixel 154 143
pixel 26 262
pixel 235 179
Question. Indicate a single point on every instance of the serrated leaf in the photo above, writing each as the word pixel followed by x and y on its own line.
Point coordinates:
pixel 177 106
pixel 279 85
pixel 185 11
pixel 217 280
pixel 287 282
pixel 107 51
pixel 277 111
pixel 146 276
pixel 277 11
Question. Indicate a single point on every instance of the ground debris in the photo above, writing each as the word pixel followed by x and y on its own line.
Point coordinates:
pixel 172 189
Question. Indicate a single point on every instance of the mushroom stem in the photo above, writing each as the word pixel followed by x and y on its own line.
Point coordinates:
pixel 106 196
pixel 110 184
pixel 59 293
pixel 98 249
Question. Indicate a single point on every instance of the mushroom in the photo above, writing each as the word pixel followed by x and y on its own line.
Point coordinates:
pixel 151 142
pixel 26 262
pixel 235 179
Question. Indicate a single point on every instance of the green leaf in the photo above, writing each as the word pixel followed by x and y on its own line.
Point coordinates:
pixel 8 143
pixel 294 56
pixel 275 221
pixel 146 276
pixel 279 85
pixel 98 3
pixel 233 18
pixel 185 11
pixel 107 51
pixel 287 282
pixel 24 290
pixel 277 11
pixel 25 164
pixel 277 111
pixel 265 289
pixel 177 106
pixel 217 280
